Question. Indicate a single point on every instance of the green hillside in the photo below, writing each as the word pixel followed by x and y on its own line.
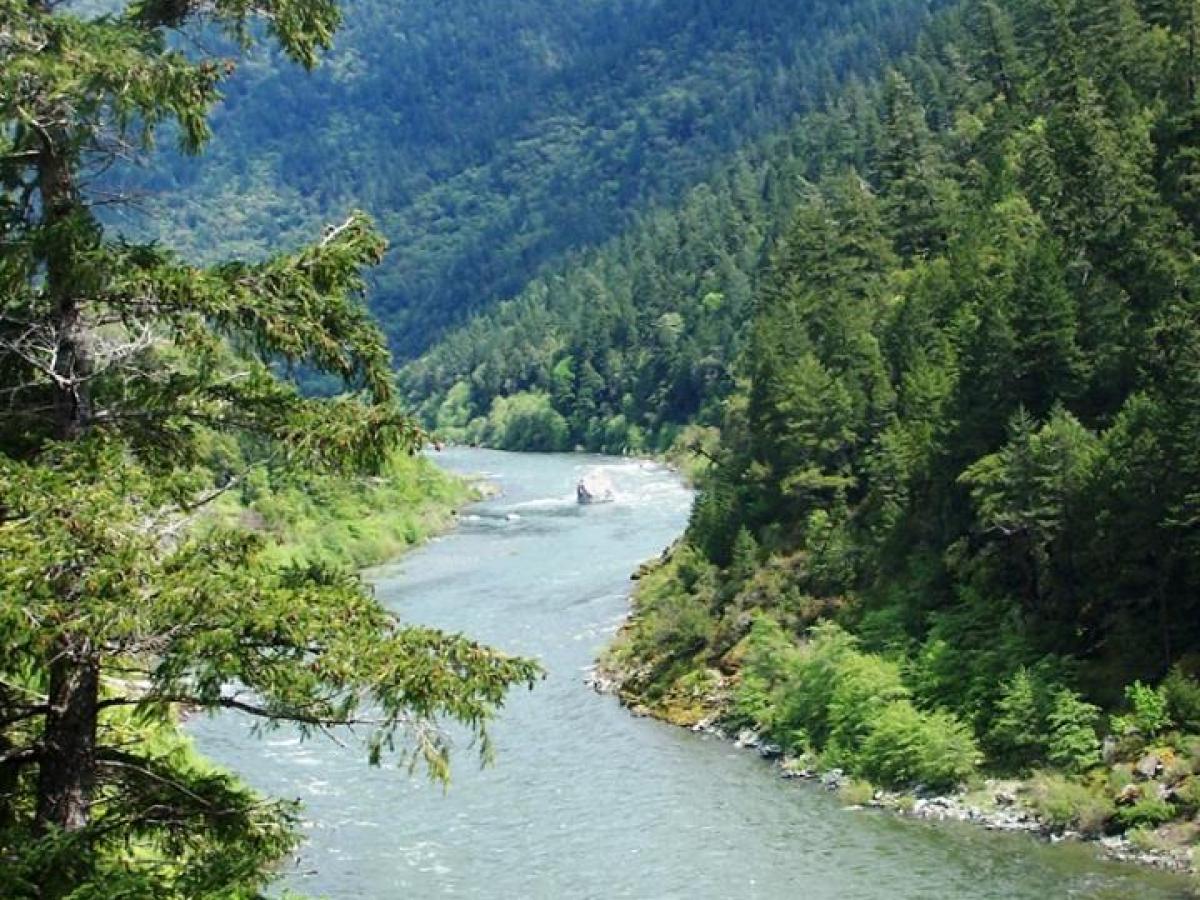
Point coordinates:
pixel 951 522
pixel 491 140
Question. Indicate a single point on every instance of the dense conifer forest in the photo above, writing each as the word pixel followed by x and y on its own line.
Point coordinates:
pixel 951 519
pixel 492 140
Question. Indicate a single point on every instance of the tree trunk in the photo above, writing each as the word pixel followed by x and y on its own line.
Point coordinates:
pixel 67 765
pixel 67 770
pixel 69 231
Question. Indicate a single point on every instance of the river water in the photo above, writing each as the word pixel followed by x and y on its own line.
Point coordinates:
pixel 586 801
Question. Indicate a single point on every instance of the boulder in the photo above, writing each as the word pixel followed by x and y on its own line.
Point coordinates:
pixel 593 489
pixel 747 738
pixel 1130 794
pixel 1148 766
pixel 833 779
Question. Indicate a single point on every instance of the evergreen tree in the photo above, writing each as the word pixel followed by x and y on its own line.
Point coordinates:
pixel 119 365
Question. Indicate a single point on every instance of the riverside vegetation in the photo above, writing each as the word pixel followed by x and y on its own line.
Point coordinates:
pixel 353 522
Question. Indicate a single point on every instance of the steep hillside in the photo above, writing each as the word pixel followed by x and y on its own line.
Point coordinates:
pixel 628 344
pixel 491 139
pixel 952 518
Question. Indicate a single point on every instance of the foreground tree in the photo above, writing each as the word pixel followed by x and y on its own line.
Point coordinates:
pixel 120 365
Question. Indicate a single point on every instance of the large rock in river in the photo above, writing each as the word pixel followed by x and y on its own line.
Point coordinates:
pixel 594 488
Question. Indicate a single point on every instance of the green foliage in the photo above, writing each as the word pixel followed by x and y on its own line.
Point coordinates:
pixel 1016 735
pixel 745 557
pixel 906 746
pixel 1037 721
pixel 525 422
pixel 141 393
pixel 1187 793
pixel 963 405
pixel 504 139
pixel 1066 804
pixel 827 695
pixel 672 623
pixel 345 520
pixel 1072 744
pixel 856 792
pixel 1147 811
pixel 1148 711
pixel 1182 695
pixel 865 686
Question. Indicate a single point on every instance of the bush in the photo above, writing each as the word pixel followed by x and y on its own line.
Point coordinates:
pixel 1066 804
pixel 1182 695
pixel 1148 811
pixel 1147 711
pixel 809 678
pixel 752 703
pixel 856 792
pixel 865 685
pixel 526 421
pixel 907 747
pixel 1016 736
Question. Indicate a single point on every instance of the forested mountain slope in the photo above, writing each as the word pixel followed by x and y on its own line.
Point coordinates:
pixel 954 509
pixel 491 139
pixel 629 343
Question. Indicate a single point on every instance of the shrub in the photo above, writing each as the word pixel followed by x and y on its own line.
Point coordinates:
pixel 1187 794
pixel 1146 840
pixel 1120 777
pixel 856 792
pixel 809 678
pixel 1066 804
pixel 765 652
pixel 744 560
pixel 1148 811
pixel 1183 700
pixel 865 685
pixel 527 421
pixel 907 746
pixel 1147 711
pixel 1017 735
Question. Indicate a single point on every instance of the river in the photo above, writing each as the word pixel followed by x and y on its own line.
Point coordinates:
pixel 585 800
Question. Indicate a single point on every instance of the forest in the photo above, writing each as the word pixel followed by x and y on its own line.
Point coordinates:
pixel 911 286
pixel 492 141
pixel 950 523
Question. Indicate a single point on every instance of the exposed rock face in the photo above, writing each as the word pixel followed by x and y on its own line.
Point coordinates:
pixel 593 488
pixel 1148 766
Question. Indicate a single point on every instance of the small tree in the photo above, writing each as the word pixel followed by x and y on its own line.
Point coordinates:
pixel 1072 743
pixel 118 362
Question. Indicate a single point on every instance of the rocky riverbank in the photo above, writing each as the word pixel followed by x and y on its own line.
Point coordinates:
pixel 995 804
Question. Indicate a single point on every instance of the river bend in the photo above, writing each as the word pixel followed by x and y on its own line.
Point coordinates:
pixel 586 801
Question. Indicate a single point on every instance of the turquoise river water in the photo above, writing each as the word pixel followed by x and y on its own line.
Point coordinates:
pixel 585 800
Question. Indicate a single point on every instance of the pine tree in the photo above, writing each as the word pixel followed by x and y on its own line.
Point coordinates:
pixel 910 172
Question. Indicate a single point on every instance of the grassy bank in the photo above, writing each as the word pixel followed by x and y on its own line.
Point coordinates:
pixel 355 522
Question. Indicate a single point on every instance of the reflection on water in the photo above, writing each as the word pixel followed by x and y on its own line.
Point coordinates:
pixel 586 801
